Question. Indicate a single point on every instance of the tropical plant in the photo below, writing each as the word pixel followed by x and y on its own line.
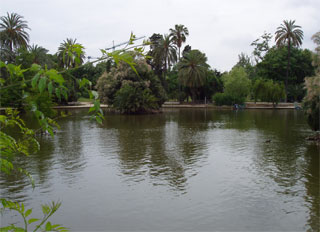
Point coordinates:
pixel 179 34
pixel 163 53
pixel 193 69
pixel 70 53
pixel 39 54
pixel 288 34
pixel 128 92
pixel 166 52
pixel 13 31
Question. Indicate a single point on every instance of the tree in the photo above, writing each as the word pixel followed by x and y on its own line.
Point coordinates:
pixel 178 35
pixel 70 53
pixel 261 48
pixel 193 69
pixel 237 84
pixel 12 31
pixel 268 90
pixel 288 34
pixel 274 66
pixel 245 62
pixel 164 55
pixel 39 54
pixel 311 102
pixel 166 52
pixel 127 92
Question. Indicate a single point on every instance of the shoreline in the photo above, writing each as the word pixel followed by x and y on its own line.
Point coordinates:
pixel 177 105
pixel 248 105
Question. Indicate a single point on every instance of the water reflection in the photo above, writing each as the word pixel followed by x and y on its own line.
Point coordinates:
pixel 219 169
pixel 161 147
pixel 312 184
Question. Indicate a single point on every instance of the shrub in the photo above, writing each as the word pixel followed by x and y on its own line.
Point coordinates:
pixel 128 92
pixel 221 99
pixel 130 99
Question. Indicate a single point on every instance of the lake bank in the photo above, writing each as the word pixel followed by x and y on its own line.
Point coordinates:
pixel 248 105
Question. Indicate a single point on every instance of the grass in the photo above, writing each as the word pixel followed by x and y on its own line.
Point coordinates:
pixel 82 99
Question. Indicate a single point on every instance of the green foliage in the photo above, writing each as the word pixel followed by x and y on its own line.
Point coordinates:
pixel 70 54
pixel 12 74
pixel 221 99
pixel 290 35
pixel 274 66
pixel 179 34
pixel 130 99
pixel 22 144
pixel 193 69
pixel 237 84
pixel 311 102
pixel 35 55
pixel 213 84
pixel 268 91
pixel 162 54
pixel 146 84
pixel 13 33
pixel 245 62
pixel 261 47
pixel 42 224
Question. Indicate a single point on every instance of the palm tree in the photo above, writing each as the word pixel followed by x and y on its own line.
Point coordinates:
pixel 39 54
pixel 178 35
pixel 288 34
pixel 12 32
pixel 166 52
pixel 193 69
pixel 164 55
pixel 70 53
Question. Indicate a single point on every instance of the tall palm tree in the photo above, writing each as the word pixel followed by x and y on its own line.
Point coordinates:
pixel 193 69
pixel 288 34
pixel 12 31
pixel 164 55
pixel 179 34
pixel 166 52
pixel 39 54
pixel 70 53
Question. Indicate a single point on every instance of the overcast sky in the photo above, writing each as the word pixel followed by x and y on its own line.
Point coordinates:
pixel 220 29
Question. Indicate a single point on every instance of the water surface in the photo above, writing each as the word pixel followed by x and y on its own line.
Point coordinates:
pixel 187 170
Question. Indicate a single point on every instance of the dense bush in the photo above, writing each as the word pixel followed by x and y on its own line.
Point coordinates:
pixel 221 99
pixel 131 92
pixel 130 99
pixel 268 91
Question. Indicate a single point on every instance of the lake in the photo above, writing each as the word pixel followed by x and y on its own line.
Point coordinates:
pixel 182 170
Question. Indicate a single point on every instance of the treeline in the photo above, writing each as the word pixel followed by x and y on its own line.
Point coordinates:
pixel 170 70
